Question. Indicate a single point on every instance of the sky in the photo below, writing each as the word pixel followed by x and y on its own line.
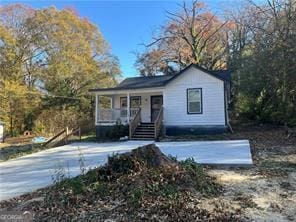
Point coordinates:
pixel 125 25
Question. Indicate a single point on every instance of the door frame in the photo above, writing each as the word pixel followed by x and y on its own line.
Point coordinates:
pixel 151 104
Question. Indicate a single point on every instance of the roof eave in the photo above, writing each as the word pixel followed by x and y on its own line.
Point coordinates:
pixel 122 89
pixel 165 82
pixel 199 68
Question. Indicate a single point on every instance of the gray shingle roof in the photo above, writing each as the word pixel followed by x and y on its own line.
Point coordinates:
pixel 143 82
pixel 159 81
pixel 224 74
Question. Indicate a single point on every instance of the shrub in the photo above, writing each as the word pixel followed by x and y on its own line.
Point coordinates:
pixel 101 188
pixel 135 198
pixel 76 185
pixel 119 130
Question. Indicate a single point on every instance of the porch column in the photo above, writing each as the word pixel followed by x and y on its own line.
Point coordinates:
pixel 163 104
pixel 128 107
pixel 97 109
pixel 164 112
pixel 111 107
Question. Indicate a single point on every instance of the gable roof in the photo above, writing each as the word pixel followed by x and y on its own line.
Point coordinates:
pixel 223 74
pixel 160 81
pixel 147 81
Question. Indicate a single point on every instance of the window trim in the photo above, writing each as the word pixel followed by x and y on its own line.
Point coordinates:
pixel 121 98
pixel 136 97
pixel 131 97
pixel 201 102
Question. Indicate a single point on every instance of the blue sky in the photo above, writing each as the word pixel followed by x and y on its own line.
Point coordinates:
pixel 125 24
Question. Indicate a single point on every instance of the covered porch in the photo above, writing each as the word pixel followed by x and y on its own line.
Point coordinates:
pixel 133 108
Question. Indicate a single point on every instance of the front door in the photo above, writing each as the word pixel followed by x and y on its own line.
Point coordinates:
pixel 156 104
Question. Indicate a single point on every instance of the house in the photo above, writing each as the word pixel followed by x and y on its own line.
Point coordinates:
pixel 192 101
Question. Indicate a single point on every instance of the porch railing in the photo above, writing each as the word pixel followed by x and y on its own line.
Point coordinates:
pixel 115 115
pixel 158 123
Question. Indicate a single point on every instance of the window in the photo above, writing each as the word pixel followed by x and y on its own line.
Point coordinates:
pixel 123 102
pixel 194 101
pixel 123 106
pixel 135 102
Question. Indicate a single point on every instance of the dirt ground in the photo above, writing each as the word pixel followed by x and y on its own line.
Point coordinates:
pixel 264 192
pixel 267 191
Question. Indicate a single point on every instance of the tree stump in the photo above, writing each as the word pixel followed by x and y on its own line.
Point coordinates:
pixel 152 156
pixel 139 159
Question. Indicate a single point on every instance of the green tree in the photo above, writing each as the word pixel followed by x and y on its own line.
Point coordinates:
pixel 57 55
pixel 264 66
pixel 17 105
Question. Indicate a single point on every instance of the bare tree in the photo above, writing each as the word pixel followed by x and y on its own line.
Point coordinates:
pixel 191 35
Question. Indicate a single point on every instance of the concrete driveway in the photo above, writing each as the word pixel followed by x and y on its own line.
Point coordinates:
pixel 28 173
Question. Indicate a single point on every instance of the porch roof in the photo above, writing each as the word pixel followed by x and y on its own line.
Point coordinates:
pixel 161 81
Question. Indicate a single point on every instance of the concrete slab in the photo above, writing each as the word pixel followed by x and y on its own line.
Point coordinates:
pixel 228 152
pixel 28 173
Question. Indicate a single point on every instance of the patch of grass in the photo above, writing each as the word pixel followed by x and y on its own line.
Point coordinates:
pixel 135 198
pixel 76 185
pixel 278 164
pixel 89 138
pixel 174 158
pixel 12 152
pixel 101 188
pixel 276 168
pixel 160 186
pixel 91 176
pixel 202 181
pixel 169 191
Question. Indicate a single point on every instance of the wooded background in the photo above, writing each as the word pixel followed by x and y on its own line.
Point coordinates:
pixel 257 43
pixel 50 58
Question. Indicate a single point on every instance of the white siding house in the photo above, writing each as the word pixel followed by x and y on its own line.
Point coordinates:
pixel 192 101
pixel 212 100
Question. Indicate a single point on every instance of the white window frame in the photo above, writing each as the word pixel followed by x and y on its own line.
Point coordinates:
pixel 200 101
